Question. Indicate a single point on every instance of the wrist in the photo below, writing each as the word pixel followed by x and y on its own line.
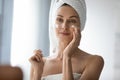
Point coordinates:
pixel 37 75
pixel 66 58
pixel 38 70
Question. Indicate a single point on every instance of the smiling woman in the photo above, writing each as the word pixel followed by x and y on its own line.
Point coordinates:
pixel 68 62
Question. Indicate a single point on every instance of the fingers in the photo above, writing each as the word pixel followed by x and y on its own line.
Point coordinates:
pixel 38 52
pixel 76 35
pixel 37 56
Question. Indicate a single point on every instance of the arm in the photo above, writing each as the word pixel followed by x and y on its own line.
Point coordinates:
pixel 37 65
pixel 31 72
pixel 67 54
pixel 67 69
pixel 37 74
pixel 93 68
pixel 34 74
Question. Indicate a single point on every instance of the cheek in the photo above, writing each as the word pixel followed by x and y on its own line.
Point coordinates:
pixel 56 31
pixel 71 30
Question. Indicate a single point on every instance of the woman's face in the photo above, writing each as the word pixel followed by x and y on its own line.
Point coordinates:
pixel 66 19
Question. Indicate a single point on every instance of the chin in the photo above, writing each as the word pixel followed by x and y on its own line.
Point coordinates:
pixel 65 39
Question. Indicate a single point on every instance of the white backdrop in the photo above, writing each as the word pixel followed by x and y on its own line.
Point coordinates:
pixel 99 34
pixel 0 7
pixel 30 31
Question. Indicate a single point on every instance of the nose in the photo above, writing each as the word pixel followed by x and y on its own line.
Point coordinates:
pixel 65 24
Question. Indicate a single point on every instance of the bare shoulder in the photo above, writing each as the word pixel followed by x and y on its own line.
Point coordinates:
pixel 93 67
pixel 93 61
pixel 96 59
pixel 95 64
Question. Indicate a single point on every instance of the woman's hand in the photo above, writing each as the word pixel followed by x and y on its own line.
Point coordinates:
pixel 73 45
pixel 37 61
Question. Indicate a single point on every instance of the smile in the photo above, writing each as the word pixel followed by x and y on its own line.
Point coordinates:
pixel 65 33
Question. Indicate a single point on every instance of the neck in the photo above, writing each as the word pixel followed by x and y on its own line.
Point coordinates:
pixel 60 48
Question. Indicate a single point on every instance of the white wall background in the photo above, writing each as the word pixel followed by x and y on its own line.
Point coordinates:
pixel 0 7
pixel 6 17
pixel 99 34
pixel 0 24
pixel 117 41
pixel 30 31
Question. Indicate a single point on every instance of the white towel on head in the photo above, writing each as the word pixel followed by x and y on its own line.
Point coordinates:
pixel 78 5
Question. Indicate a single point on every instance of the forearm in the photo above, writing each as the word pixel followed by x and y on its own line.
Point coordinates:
pixel 31 73
pixel 67 69
pixel 35 74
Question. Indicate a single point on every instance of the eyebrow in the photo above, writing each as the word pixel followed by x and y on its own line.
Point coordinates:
pixel 60 15
pixel 69 17
pixel 73 17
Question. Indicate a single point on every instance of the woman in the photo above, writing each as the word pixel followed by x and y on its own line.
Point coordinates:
pixel 68 62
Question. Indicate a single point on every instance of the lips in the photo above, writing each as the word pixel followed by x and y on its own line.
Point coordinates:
pixel 64 33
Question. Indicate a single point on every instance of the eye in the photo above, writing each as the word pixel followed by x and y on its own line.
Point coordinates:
pixel 59 20
pixel 72 21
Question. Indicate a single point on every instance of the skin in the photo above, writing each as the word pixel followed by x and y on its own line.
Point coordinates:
pixel 69 58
